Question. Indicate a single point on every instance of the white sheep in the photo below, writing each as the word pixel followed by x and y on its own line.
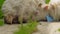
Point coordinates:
pixel 23 9
pixel 54 9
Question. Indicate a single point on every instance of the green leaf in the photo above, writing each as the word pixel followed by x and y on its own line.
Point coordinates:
pixel 47 1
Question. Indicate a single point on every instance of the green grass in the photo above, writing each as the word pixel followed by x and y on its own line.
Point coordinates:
pixel 1 13
pixel 27 29
pixel 47 1
pixel 1 22
pixel 59 29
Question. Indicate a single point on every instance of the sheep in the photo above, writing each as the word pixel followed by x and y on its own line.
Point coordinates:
pixel 23 9
pixel 54 9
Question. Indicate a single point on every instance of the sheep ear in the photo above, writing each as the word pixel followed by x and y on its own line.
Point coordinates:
pixel 53 7
pixel 40 5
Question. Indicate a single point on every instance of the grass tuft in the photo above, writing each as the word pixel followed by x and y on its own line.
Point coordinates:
pixel 27 29
pixel 1 13
pixel 59 29
pixel 1 22
pixel 47 1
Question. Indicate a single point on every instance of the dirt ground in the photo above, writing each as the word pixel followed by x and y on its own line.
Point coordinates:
pixel 8 29
pixel 42 28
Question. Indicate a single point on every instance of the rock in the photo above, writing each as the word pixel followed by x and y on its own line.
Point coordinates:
pixel 53 28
